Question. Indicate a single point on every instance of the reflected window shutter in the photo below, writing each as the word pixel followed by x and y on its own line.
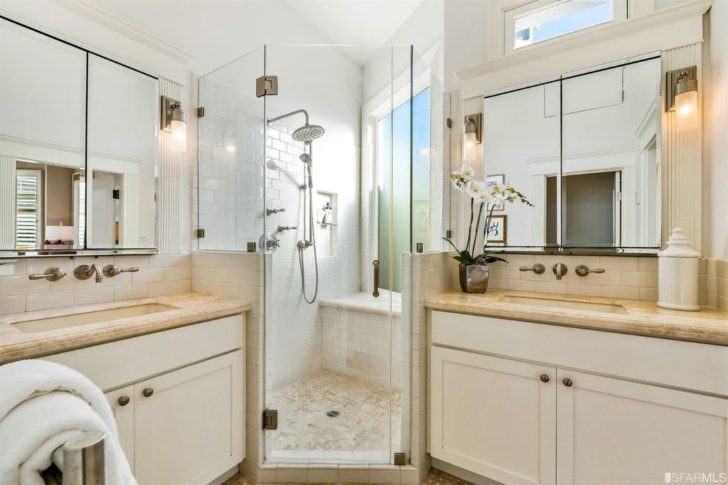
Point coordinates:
pixel 27 210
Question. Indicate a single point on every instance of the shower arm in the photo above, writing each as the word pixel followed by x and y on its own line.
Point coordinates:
pixel 292 113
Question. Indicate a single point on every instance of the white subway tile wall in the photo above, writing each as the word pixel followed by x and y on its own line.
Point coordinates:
pixel 229 176
pixel 158 275
pixel 624 277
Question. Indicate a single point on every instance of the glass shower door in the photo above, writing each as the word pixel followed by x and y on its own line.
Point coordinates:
pixel 336 362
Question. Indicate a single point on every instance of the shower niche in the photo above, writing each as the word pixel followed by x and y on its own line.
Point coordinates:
pixel 326 221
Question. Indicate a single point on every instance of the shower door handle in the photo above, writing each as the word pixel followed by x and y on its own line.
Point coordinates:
pixel 375 264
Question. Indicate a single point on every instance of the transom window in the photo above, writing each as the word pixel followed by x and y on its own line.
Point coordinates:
pixel 543 20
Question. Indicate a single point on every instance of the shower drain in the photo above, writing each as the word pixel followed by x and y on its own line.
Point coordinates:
pixel 333 413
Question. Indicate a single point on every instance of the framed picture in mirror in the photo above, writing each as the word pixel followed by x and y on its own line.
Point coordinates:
pixel 498 230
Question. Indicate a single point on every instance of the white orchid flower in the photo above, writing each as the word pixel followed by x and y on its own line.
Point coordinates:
pixel 467 172
pixel 475 188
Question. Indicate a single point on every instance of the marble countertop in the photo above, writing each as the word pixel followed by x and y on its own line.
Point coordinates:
pixel 186 309
pixel 638 318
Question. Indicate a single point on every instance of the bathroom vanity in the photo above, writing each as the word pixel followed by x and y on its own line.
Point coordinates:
pixel 173 376
pixel 529 388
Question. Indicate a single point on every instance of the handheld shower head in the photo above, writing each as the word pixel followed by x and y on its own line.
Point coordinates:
pixel 305 158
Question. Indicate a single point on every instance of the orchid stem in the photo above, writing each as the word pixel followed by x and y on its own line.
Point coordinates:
pixel 477 227
pixel 470 227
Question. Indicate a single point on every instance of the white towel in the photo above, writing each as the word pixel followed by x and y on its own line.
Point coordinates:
pixel 43 405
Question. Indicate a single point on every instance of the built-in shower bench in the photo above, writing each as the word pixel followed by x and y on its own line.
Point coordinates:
pixel 358 338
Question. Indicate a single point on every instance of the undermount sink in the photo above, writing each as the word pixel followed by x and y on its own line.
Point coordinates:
pixel 567 304
pixel 76 319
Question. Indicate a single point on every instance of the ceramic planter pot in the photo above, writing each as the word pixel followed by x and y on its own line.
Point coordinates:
pixel 474 278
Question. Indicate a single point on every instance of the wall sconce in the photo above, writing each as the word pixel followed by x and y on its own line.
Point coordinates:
pixel 173 121
pixel 682 97
pixel 472 136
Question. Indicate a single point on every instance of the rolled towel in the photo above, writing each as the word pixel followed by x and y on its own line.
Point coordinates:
pixel 25 379
pixel 45 415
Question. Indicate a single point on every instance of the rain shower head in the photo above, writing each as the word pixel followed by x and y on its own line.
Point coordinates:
pixel 308 133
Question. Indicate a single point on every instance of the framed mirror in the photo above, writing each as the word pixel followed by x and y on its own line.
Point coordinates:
pixel 585 149
pixel 78 149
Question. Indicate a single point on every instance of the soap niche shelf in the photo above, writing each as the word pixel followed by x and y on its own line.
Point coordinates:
pixel 327 218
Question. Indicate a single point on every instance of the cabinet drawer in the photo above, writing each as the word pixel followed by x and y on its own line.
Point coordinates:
pixel 686 365
pixel 118 363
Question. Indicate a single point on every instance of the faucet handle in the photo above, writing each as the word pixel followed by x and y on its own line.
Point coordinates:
pixel 111 270
pixel 537 268
pixel 583 270
pixel 51 274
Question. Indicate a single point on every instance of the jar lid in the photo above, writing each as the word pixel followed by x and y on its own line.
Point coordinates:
pixel 678 246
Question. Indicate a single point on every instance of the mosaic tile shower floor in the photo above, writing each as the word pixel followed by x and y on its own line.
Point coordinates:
pixel 360 433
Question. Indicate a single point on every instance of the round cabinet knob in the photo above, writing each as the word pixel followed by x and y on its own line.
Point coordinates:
pixel 544 377
pixel 147 392
pixel 123 400
pixel 568 382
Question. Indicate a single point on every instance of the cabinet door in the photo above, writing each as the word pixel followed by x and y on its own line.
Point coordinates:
pixel 615 431
pixel 189 423
pixel 122 405
pixel 494 416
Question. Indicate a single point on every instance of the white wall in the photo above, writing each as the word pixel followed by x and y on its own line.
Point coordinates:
pixel 465 37
pixel 715 134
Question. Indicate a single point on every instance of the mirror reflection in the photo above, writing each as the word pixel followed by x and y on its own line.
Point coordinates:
pixel 586 151
pixel 521 146
pixel 610 186
pixel 49 206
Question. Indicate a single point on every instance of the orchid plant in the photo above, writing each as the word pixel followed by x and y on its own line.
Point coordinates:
pixel 481 196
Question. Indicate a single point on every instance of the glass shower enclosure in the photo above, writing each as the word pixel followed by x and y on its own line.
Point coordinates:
pixel 317 157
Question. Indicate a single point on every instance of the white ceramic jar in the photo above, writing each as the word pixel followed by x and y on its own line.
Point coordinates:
pixel 678 274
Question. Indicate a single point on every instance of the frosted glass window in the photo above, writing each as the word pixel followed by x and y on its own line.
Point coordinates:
pixel 560 18
pixel 402 143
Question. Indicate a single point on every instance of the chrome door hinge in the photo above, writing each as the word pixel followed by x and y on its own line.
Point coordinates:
pixel 400 459
pixel 200 233
pixel 270 419
pixel 201 112
pixel 266 85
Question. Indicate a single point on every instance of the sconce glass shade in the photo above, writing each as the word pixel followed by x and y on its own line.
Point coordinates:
pixel 173 122
pixel 470 149
pixel 686 100
pixel 686 109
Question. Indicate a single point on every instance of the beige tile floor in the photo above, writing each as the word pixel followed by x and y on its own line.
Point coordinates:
pixel 435 477
pixel 361 432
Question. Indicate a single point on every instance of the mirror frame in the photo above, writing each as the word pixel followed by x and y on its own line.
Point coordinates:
pixel 14 254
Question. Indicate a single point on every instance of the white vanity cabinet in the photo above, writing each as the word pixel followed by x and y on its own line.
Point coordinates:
pixel 603 408
pixel 494 416
pixel 177 396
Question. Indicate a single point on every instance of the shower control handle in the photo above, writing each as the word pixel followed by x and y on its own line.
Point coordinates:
pixel 375 264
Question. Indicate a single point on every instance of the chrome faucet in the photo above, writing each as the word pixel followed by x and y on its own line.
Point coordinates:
pixel 85 271
pixel 560 269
